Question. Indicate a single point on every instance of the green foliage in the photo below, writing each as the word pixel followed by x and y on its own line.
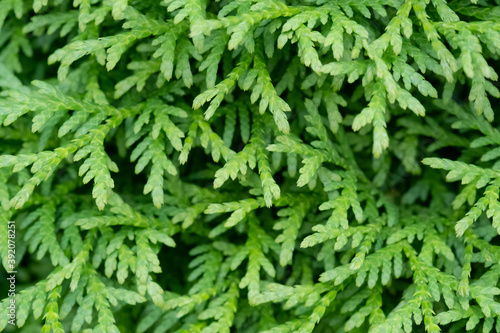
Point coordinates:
pixel 251 166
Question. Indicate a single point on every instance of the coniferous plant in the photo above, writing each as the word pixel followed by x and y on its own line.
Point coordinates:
pixel 251 166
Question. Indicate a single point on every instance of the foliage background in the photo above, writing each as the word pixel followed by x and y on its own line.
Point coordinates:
pixel 251 166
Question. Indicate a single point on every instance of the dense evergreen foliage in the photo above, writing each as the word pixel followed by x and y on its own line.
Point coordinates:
pixel 251 166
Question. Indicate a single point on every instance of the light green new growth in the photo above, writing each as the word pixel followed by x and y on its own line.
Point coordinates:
pixel 250 166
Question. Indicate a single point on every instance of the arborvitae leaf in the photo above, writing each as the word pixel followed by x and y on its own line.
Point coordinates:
pixel 277 165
